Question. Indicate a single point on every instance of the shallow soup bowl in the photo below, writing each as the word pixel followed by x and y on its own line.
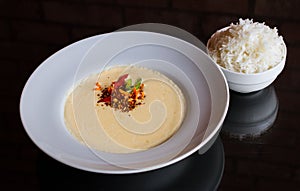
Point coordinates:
pixel 202 83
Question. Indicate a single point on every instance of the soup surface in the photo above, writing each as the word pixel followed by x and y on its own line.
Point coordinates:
pixel 124 109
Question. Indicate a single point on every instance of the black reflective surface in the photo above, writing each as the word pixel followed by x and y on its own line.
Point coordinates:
pixel 251 114
pixel 197 172
pixel 261 153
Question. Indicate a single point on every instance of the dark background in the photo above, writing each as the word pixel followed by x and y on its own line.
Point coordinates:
pixel 32 30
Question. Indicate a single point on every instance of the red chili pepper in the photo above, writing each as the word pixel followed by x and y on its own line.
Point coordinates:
pixel 106 99
pixel 109 90
pixel 120 81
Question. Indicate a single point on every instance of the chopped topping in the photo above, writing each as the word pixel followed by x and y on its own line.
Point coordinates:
pixel 98 86
pixel 120 81
pixel 122 94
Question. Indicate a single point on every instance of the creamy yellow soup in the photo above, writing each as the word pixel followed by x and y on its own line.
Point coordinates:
pixel 108 129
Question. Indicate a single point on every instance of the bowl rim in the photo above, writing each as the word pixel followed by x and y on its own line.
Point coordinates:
pixel 176 159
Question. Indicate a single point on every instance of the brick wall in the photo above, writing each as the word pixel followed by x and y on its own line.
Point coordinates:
pixel 32 30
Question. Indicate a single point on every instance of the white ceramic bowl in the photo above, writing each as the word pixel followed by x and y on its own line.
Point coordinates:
pixel 246 83
pixel 179 60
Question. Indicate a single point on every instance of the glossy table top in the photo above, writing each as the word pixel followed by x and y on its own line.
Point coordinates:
pixel 249 154
pixel 258 148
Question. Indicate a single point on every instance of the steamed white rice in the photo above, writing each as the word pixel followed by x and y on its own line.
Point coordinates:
pixel 247 47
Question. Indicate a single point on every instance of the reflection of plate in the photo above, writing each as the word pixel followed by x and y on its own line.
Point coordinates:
pixel 43 98
pixel 168 30
pixel 197 172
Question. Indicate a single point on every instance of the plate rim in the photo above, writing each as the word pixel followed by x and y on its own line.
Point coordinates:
pixel 126 171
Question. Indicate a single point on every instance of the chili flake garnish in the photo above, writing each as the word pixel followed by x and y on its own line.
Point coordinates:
pixel 98 86
pixel 122 94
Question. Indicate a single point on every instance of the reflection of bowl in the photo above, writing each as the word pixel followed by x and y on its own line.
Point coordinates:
pixel 46 127
pixel 257 114
pixel 246 83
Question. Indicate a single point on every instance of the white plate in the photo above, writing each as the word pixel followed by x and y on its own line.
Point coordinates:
pixel 43 97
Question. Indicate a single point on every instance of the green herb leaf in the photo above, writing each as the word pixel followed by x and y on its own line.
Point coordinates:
pixel 137 83
pixel 128 84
